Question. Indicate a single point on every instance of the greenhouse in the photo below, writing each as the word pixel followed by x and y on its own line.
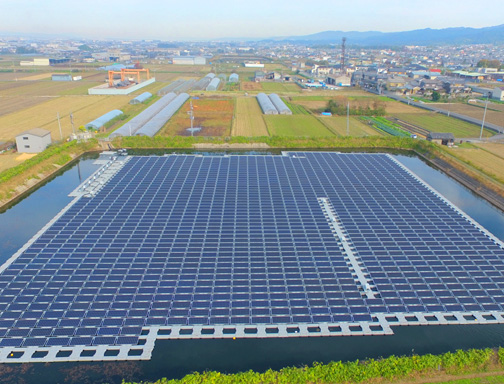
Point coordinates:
pixel 214 84
pixel 102 120
pixel 279 104
pixel 159 120
pixel 233 78
pixel 141 98
pixel 202 83
pixel 266 105
pixel 130 128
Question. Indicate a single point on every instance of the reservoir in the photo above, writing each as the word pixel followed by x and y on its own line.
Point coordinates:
pixel 173 358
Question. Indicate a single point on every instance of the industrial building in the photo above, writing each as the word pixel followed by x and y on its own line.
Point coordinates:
pixel 37 62
pixel 33 141
pixel 104 119
pixel 189 60
pixel 141 98
pixel 303 244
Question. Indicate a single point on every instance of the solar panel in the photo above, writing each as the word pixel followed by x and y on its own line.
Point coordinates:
pixel 303 238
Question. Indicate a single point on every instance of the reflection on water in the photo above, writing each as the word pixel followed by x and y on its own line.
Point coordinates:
pixel 175 358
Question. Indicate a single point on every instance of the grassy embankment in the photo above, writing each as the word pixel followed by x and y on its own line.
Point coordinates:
pixel 17 180
pixel 404 369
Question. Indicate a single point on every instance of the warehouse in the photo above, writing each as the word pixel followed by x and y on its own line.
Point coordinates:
pixel 33 141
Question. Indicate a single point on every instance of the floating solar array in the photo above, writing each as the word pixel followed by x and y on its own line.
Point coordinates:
pixel 187 246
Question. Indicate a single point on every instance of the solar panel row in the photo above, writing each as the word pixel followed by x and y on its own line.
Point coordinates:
pixel 190 240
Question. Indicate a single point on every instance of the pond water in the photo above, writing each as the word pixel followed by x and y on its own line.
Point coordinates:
pixel 175 358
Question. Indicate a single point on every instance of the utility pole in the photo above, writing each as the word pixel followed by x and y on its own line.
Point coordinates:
pixel 342 64
pixel 59 124
pixel 348 119
pixel 483 122
pixel 72 122
pixel 191 117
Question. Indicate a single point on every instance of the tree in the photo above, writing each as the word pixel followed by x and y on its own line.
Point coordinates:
pixel 435 96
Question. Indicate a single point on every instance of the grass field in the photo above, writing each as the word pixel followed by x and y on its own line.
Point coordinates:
pixel 356 127
pixel 9 159
pixel 279 87
pixel 43 115
pixel 435 122
pixel 489 158
pixel 295 125
pixel 248 119
pixel 213 115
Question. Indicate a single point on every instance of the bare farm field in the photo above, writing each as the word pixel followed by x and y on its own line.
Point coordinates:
pixel 9 160
pixel 251 86
pixel 495 148
pixel 17 103
pixel 213 115
pixel 42 88
pixel 248 119
pixel 44 115
pixel 484 158
pixel 492 116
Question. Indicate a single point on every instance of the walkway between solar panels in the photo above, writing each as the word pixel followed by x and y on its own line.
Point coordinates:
pixel 351 257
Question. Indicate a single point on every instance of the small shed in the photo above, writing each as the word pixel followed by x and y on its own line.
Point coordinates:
pixel 441 138
pixel 141 98
pixel 61 77
pixel 33 141
pixel 102 120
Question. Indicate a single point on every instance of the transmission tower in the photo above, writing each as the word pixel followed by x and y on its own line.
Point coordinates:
pixel 342 65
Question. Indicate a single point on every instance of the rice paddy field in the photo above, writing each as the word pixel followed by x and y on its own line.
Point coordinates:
pixel 357 128
pixel 494 115
pixel 44 115
pixel 435 122
pixel 488 157
pixel 296 125
pixel 280 87
pixel 213 115
pixel 248 120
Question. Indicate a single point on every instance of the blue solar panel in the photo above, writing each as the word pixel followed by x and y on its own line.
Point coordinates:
pixel 189 240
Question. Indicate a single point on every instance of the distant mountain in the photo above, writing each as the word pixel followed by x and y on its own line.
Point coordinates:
pixel 427 36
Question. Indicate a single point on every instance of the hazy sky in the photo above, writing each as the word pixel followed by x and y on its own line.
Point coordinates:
pixel 207 19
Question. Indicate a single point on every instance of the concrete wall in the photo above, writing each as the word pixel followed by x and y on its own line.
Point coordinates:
pixel 105 90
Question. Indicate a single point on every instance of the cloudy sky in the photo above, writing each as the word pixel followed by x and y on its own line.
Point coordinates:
pixel 209 19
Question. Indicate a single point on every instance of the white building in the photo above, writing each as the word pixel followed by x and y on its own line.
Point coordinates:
pixel 498 93
pixel 33 141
